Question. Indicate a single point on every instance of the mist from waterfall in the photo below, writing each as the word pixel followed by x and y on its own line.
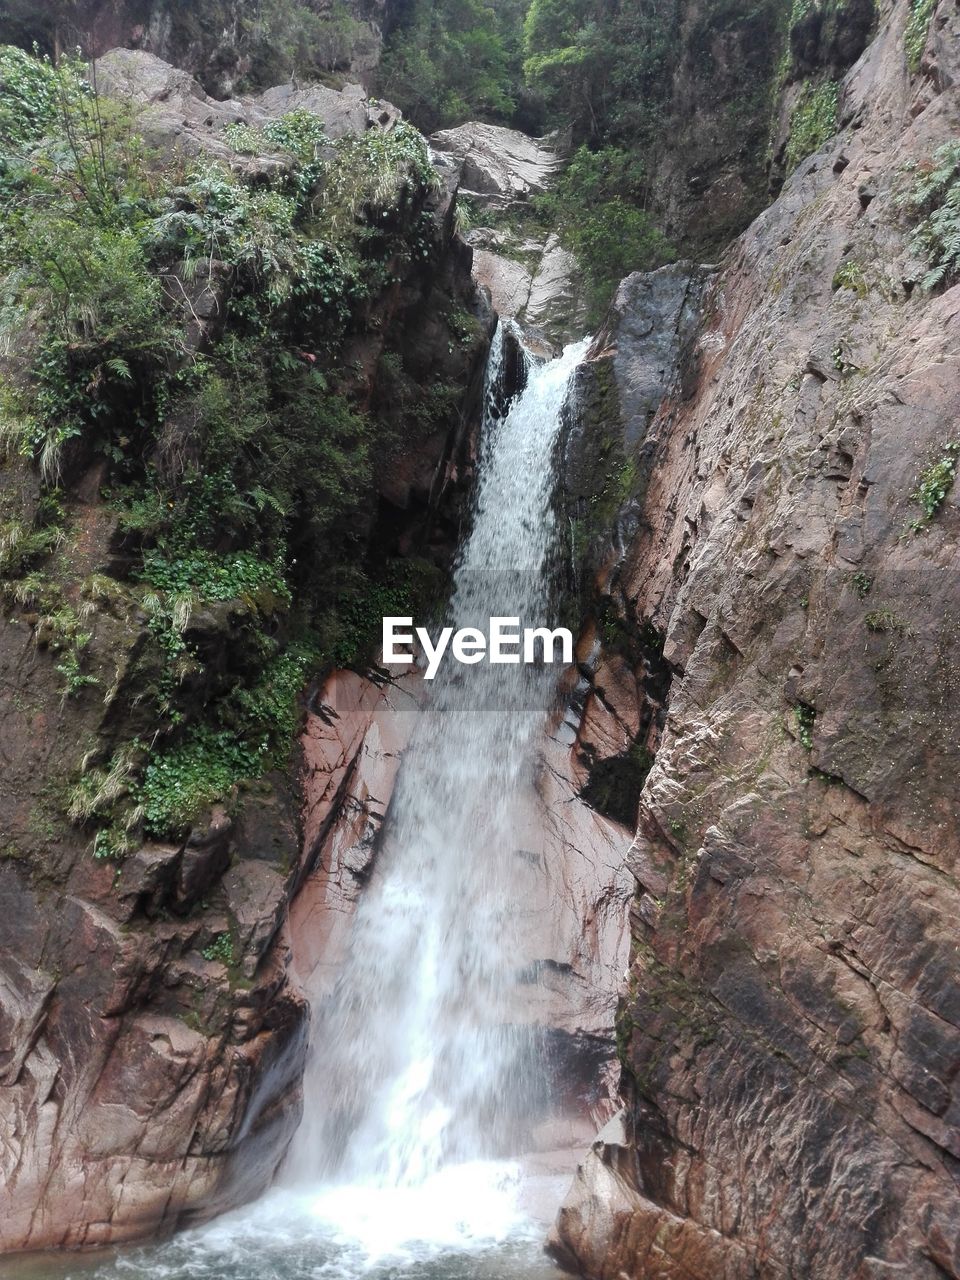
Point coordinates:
pixel 418 1062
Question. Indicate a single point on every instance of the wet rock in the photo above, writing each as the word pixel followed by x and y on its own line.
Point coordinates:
pixel 530 277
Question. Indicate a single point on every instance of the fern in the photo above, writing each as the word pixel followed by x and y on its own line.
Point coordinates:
pixel 935 200
pixel 915 36
pixel 120 368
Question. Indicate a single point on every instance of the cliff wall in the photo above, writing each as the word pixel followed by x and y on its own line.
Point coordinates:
pixel 152 1037
pixel 790 1028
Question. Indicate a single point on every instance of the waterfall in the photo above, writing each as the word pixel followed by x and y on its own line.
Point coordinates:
pixel 417 1061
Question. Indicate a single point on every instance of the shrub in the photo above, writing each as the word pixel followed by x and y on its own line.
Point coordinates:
pixel 400 588
pixel 804 719
pixel 237 475
pixel 222 949
pixel 180 782
pixel 594 207
pixel 28 102
pixel 373 174
pixel 915 37
pixel 211 576
pixel 935 200
pixel 850 275
pixel 933 485
pixel 73 261
pixel 814 120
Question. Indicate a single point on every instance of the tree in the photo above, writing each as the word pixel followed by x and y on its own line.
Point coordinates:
pixel 449 60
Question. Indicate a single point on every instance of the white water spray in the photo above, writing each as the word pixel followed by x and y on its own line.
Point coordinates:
pixel 417 1063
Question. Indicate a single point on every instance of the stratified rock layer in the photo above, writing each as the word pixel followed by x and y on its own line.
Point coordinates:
pixel 790 1031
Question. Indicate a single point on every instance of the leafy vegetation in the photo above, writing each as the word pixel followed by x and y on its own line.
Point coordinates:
pixel 814 120
pixel 850 275
pixel 934 483
pixel 604 74
pixel 934 199
pixel 915 37
pixel 222 949
pixel 595 207
pixel 804 717
pixel 239 472
pixel 453 60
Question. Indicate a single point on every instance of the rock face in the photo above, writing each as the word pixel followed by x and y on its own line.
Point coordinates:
pixel 152 1032
pixel 225 44
pixel 790 1029
pixel 529 276
pixel 176 114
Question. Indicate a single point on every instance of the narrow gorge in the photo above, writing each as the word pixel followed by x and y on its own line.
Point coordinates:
pixel 635 321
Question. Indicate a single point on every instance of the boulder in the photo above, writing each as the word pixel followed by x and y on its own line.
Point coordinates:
pixel 498 166
pixel 175 114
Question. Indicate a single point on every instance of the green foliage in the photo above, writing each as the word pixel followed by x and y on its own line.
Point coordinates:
pixel 222 949
pixel 22 543
pixel 372 175
pixel 453 60
pixel 300 134
pixel 211 576
pixel 309 248
pixel 253 731
pixel 814 120
pixel 71 672
pixel 804 718
pixel 29 101
pixel 180 783
pixel 863 583
pixel 402 588
pixel 915 37
pixel 934 483
pixel 881 620
pixel 594 207
pixel 602 68
pixel 280 38
pixel 72 258
pixel 935 200
pixel 240 476
pixel 850 275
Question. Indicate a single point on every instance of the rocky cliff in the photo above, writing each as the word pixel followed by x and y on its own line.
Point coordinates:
pixel 755 754
pixel 227 46
pixel 790 1027
pixel 152 1037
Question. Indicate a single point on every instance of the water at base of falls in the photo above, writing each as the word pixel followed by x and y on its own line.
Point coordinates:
pixel 466 1223
pixel 423 1080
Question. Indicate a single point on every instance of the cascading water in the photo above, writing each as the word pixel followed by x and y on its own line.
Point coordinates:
pixel 422 1074
pixel 416 1063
